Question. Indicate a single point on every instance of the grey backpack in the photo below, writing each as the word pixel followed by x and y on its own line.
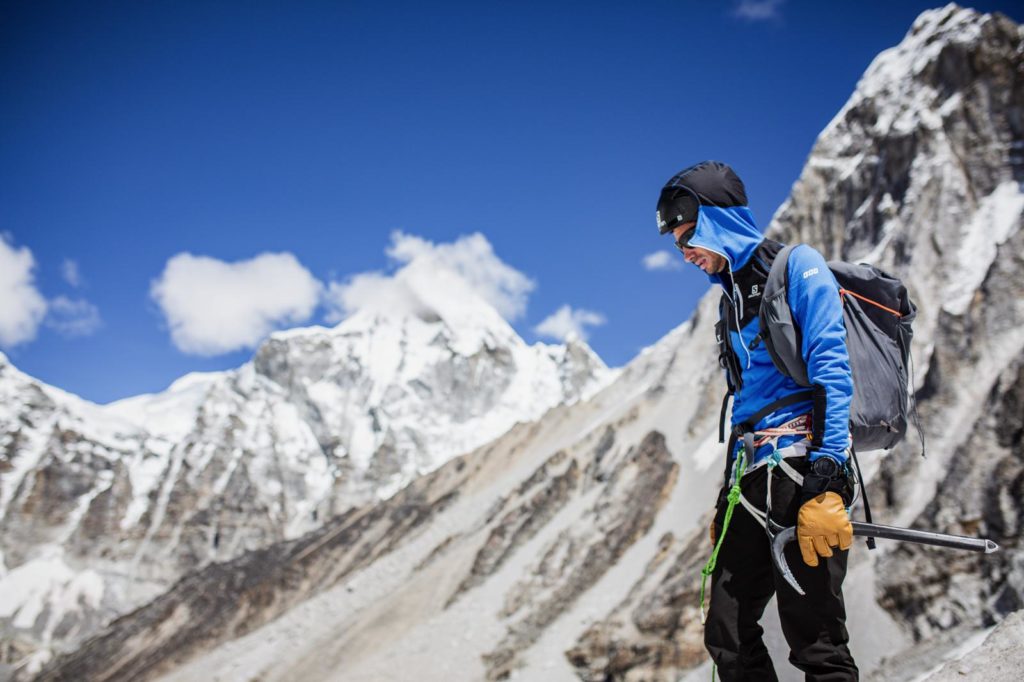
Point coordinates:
pixel 878 315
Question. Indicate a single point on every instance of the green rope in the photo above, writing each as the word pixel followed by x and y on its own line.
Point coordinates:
pixel 734 498
pixel 709 567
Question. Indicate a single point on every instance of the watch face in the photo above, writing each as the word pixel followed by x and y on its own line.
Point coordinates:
pixel 825 466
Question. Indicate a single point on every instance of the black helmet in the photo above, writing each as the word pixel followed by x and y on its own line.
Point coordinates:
pixel 708 183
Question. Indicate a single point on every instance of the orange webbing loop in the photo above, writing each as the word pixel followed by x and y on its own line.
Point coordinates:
pixel 800 426
pixel 843 292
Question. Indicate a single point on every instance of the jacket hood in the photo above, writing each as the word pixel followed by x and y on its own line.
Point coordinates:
pixel 729 232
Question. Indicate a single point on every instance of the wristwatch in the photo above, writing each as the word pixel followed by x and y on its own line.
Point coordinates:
pixel 825 467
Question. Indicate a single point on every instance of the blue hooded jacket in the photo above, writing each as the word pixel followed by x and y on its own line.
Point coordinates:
pixel 817 308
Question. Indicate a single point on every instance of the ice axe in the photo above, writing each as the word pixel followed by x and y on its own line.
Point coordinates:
pixel 874 530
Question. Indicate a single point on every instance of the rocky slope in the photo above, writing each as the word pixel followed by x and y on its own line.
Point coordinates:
pixel 995 660
pixel 569 548
pixel 103 508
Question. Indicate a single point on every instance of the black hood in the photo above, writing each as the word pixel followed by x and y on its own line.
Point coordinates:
pixel 708 183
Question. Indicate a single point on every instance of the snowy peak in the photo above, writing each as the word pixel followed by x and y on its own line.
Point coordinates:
pixel 929 138
pixel 915 82
pixel 432 292
pixel 446 296
pixel 442 364
pixel 933 32
pixel 170 414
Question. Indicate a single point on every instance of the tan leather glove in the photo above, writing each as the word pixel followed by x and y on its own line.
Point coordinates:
pixel 822 524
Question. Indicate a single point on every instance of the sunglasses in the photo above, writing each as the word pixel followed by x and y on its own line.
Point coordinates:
pixel 684 239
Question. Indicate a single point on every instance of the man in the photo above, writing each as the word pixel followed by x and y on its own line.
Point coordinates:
pixel 705 209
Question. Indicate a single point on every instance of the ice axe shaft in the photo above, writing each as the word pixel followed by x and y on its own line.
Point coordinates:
pixel 924 537
pixel 874 530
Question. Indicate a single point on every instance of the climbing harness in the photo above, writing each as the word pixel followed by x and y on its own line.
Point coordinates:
pixel 752 440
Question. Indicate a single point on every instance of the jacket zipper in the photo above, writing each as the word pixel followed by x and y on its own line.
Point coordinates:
pixel 733 298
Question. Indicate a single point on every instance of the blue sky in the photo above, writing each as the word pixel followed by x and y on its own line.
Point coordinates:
pixel 203 148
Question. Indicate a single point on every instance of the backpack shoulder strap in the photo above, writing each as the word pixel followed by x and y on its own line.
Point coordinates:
pixel 779 330
pixel 778 276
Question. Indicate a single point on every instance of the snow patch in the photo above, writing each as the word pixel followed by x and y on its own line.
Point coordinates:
pixel 998 217
pixel 46 583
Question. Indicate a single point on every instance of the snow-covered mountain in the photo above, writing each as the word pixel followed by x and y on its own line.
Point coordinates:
pixel 103 507
pixel 383 397
pixel 570 547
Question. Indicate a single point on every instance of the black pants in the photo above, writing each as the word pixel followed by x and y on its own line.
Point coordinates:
pixel 745 580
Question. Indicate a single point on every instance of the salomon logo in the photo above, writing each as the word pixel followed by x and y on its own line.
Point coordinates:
pixel 754 291
pixel 810 273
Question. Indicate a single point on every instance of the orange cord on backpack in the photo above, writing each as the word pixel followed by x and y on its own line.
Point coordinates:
pixel 843 292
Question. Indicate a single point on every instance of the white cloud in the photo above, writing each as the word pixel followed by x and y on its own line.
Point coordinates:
pixel 470 257
pixel 661 260
pixel 22 307
pixel 69 269
pixel 73 317
pixel 375 291
pixel 215 307
pixel 758 10
pixel 566 323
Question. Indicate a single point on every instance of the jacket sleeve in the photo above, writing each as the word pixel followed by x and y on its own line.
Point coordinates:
pixel 818 310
